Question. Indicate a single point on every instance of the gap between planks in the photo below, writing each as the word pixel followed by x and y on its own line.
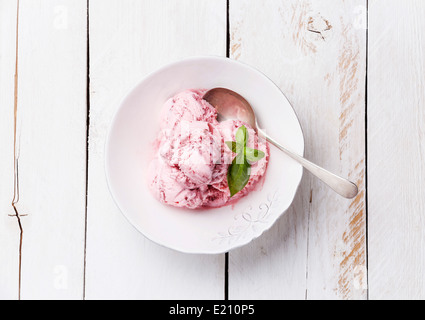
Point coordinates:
pixel 15 199
pixel 87 143
pixel 226 255
pixel 366 159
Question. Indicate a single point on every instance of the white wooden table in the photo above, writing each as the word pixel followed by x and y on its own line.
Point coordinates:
pixel 354 72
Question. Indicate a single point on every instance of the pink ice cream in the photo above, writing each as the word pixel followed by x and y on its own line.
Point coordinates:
pixel 191 159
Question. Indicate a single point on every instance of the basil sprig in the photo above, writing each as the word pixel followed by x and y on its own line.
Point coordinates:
pixel 240 170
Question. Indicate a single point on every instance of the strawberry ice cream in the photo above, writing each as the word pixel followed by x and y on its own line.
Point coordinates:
pixel 191 159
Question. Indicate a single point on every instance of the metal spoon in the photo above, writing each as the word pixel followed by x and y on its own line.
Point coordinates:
pixel 231 105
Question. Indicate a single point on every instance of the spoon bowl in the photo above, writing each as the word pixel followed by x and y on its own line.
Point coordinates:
pixel 231 105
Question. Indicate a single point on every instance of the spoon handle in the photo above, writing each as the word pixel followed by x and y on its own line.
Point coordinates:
pixel 340 185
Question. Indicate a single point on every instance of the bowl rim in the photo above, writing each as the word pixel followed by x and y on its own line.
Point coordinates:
pixel 114 119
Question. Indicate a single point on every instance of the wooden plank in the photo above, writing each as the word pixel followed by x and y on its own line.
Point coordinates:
pixel 129 39
pixel 51 136
pixel 315 52
pixel 9 229
pixel 396 149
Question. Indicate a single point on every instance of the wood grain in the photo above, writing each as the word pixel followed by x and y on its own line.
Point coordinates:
pixel 396 149
pixel 50 144
pixel 139 37
pixel 315 52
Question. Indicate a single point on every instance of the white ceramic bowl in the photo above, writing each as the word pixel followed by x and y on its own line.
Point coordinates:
pixel 136 125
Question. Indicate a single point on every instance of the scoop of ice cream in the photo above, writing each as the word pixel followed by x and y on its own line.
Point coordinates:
pixel 195 149
pixel 187 106
pixel 191 158
pixel 169 186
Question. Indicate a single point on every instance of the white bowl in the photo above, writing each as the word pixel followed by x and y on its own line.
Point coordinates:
pixel 135 127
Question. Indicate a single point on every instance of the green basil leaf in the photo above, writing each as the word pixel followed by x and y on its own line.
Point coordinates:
pixel 238 174
pixel 254 155
pixel 234 146
pixel 231 145
pixel 242 135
